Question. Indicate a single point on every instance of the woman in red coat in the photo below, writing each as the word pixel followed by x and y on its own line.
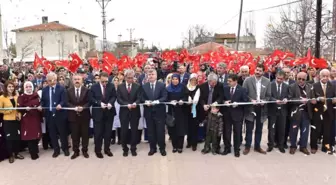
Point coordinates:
pixel 30 119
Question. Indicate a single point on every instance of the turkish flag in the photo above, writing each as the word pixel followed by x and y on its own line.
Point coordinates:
pixel 94 63
pixel 75 62
pixel 107 67
pixel 110 58
pixel 37 61
pixel 48 65
pixel 63 63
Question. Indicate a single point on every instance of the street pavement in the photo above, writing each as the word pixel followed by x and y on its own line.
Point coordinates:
pixel 188 168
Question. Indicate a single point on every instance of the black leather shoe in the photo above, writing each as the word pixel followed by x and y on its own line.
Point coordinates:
pixel 66 153
pixel 163 152
pixel 188 146
pixel 205 151
pixel 236 154
pixel 214 152
pixel 113 142
pixel 34 156
pixel 282 150
pixel 134 153
pixel 11 159
pixel 179 151
pixel 125 154
pixel 174 150
pixel 55 154
pixel 18 156
pixel 151 152
pixel 194 148
pixel 75 155
pixel 85 154
pixel 226 151
pixel 108 153
pixel 99 155
pixel 269 149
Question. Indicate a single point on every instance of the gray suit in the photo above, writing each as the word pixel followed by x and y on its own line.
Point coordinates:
pixel 256 113
pixel 265 94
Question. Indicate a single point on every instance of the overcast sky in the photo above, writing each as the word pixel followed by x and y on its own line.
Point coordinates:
pixel 160 22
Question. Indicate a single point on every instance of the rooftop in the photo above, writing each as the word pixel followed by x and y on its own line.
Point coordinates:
pixel 225 36
pixel 51 26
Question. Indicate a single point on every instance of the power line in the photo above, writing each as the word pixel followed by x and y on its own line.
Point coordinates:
pixel 271 7
pixel 257 10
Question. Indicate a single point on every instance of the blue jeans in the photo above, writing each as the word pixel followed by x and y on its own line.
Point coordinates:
pixel 303 125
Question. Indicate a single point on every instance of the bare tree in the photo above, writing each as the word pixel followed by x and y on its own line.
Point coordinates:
pixel 197 34
pixel 27 49
pixel 296 30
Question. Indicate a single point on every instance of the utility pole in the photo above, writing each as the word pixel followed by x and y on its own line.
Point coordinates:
pixel 103 4
pixel 131 37
pixel 42 46
pixel 318 28
pixel 239 23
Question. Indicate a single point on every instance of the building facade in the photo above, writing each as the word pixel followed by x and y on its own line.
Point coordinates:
pixel 52 40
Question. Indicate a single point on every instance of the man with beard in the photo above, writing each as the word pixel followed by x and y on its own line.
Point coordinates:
pixel 259 90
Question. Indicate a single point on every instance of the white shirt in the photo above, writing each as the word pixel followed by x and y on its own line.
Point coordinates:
pixel 258 86
pixel 221 78
pixel 79 91
pixel 234 89
pixel 152 83
pixel 277 86
pixel 50 97
pixel 324 86
pixel 130 85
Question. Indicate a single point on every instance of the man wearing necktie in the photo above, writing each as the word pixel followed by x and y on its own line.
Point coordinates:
pixel 323 112
pixel 221 72
pixel 78 98
pixel 129 96
pixel 154 92
pixel 277 113
pixel 103 95
pixel 54 97
pixel 233 115
pixel 211 93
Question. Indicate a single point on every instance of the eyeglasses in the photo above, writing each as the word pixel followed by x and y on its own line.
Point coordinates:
pixel 301 79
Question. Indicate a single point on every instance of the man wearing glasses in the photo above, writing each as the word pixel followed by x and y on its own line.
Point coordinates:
pixel 300 113
pixel 103 95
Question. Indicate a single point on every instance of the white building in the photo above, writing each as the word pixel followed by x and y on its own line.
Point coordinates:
pixel 52 40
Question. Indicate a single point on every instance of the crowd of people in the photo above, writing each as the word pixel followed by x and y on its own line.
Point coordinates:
pixel 63 110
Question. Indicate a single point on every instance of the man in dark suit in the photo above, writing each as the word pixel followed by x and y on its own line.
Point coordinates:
pixel 233 115
pixel 184 76
pixel 221 72
pixel 211 94
pixel 54 97
pixel 103 95
pixel 39 78
pixel 78 98
pixel 128 96
pixel 277 112
pixel 301 113
pixel 323 113
pixel 155 92
pixel 243 74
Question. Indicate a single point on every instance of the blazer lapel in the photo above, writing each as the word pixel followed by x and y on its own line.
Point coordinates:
pixel 234 93
pixel 132 89
pixel 83 91
pixel 254 85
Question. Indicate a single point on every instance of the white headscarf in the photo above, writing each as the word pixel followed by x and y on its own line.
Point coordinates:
pixel 24 87
pixel 189 86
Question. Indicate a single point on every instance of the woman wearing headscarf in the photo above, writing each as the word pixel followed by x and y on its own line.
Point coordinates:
pixel 177 95
pixel 31 118
pixel 11 121
pixel 194 94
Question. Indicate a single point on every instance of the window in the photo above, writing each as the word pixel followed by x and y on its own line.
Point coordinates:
pixel 76 38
